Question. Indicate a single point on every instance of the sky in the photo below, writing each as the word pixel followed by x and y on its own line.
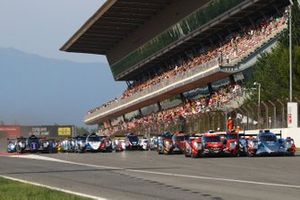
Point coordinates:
pixel 43 26
pixel 39 84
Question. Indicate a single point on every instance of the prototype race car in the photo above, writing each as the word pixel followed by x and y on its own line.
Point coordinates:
pixel 33 144
pixel 165 143
pixel 48 145
pixel 145 144
pixel 106 144
pixel 212 144
pixel 231 144
pixel 267 143
pixel 21 145
pixel 119 145
pixel 11 145
pixel 179 142
pixel 132 142
pixel 93 142
pixel 66 145
pixel 193 146
pixel 80 143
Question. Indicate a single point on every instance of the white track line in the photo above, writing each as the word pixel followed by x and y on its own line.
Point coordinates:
pixel 54 188
pixel 37 157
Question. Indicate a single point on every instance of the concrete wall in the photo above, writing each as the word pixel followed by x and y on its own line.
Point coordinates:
pixel 173 13
pixel 286 132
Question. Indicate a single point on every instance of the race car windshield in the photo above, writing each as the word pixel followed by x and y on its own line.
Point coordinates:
pixel 81 138
pixel 268 138
pixel 94 139
pixel 231 136
pixel 33 140
pixel 133 138
pixel 212 139
pixel 180 138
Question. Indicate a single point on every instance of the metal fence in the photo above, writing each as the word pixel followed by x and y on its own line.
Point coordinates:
pixel 271 114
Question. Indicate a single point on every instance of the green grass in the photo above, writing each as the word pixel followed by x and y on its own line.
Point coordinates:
pixel 12 190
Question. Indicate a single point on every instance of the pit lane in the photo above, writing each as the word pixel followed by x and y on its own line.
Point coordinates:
pixel 146 175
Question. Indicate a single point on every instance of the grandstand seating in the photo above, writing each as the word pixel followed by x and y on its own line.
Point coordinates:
pixel 237 47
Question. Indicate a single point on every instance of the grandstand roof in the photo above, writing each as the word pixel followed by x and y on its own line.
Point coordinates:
pixel 112 23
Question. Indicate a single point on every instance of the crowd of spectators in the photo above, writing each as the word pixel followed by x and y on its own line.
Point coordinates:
pixel 235 46
pixel 212 102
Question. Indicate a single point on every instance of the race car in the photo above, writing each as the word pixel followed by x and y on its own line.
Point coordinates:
pixel 165 143
pixel 21 145
pixel 132 142
pixel 267 143
pixel 11 145
pixel 193 146
pixel 80 143
pixel 231 144
pixel 145 144
pixel 179 142
pixel 212 144
pixel 48 145
pixel 93 142
pixel 33 144
pixel 119 145
pixel 153 143
pixel 106 144
pixel 66 145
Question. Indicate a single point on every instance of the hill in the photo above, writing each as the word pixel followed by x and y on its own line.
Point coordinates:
pixel 39 90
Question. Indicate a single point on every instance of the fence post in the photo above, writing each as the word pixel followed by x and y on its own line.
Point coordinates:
pixel 267 113
pixel 274 114
pixel 252 116
pixel 282 111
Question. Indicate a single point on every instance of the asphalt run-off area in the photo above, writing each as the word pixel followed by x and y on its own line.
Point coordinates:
pixel 147 175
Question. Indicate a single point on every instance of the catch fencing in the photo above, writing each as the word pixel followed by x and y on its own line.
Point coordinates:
pixel 267 115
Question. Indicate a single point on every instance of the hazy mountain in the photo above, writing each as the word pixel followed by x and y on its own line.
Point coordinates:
pixel 37 90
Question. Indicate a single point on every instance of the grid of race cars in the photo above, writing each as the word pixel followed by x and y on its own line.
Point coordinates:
pixel 196 145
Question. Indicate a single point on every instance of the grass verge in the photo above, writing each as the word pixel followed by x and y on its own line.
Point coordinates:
pixel 13 190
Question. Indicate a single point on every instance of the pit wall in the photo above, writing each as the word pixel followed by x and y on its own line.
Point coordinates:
pixel 286 132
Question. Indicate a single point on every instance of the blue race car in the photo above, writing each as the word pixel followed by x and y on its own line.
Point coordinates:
pixel 267 143
pixel 33 144
pixel 12 145
pixel 80 143
pixel 132 142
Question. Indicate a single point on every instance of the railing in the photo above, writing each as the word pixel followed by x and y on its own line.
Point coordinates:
pixel 165 85
pixel 174 33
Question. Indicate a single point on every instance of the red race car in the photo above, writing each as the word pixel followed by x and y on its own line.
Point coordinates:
pixel 193 146
pixel 212 144
pixel 231 144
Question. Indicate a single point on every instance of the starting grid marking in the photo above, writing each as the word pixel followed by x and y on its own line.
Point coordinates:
pixel 218 179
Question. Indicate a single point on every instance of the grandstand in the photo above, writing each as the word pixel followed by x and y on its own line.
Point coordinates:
pixel 178 58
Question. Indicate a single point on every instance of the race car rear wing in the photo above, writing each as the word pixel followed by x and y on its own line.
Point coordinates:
pixel 255 134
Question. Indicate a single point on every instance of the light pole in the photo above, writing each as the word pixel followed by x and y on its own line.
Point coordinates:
pixel 290 50
pixel 258 97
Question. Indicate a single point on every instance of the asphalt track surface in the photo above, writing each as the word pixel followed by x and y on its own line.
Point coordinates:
pixel 147 175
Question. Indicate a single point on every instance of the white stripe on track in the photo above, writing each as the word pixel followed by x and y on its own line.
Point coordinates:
pixel 37 157
pixel 54 188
